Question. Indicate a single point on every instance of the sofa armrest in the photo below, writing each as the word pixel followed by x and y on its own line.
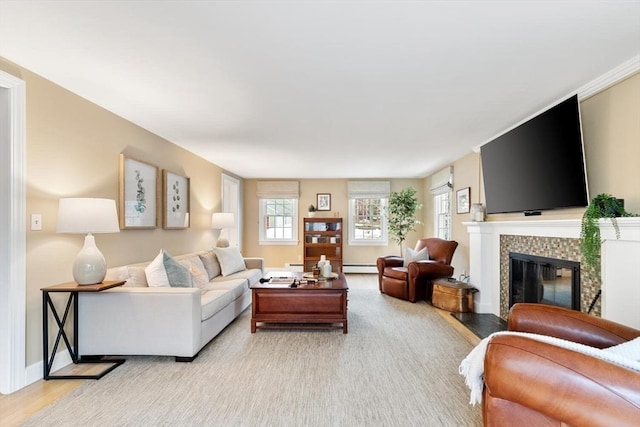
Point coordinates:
pixel 384 262
pixel 389 261
pixel 558 383
pixel 429 270
pixel 568 324
pixel 254 262
pixel 145 321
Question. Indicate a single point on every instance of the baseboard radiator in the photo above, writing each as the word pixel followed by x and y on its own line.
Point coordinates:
pixel 346 268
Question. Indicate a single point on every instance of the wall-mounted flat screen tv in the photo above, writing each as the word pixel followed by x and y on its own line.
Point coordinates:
pixel 538 165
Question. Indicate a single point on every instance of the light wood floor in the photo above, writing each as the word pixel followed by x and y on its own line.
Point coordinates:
pixel 17 407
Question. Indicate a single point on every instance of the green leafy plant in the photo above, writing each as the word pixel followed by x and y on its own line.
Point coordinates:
pixel 312 208
pixel 601 206
pixel 401 214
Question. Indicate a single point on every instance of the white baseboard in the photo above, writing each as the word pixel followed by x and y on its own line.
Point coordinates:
pixel 35 372
pixel 360 268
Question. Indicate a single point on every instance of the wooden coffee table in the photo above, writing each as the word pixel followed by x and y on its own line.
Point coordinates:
pixel 324 302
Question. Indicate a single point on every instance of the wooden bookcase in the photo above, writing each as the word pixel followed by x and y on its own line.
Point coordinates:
pixel 322 236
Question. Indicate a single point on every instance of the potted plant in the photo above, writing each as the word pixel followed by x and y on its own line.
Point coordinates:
pixel 601 206
pixel 312 211
pixel 401 214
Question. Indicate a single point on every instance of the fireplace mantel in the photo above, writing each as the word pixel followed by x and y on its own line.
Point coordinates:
pixel 620 262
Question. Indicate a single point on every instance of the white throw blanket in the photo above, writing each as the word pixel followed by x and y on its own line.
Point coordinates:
pixel 626 355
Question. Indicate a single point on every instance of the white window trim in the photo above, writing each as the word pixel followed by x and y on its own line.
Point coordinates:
pixel 436 226
pixel 383 241
pixel 278 242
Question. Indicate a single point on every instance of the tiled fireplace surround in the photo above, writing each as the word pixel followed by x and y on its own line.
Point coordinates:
pixel 490 243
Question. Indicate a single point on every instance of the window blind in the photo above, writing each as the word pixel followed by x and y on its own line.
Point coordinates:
pixel 278 189
pixel 442 181
pixel 368 189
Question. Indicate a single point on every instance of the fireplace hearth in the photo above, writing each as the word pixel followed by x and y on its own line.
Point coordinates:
pixel 544 280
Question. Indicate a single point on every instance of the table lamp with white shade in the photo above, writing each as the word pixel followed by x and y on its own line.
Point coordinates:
pixel 221 221
pixel 88 216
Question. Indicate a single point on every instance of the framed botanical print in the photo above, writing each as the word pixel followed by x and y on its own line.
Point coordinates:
pixel 175 194
pixel 138 194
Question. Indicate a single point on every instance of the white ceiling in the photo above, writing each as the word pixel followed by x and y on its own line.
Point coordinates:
pixel 322 89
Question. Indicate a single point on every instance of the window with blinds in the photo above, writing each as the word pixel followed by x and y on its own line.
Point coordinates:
pixel 278 212
pixel 367 204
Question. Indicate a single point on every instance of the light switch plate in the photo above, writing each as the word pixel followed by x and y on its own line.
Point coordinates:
pixel 36 222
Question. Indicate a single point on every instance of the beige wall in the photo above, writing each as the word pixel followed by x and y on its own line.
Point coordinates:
pixel 611 127
pixel 73 148
pixel 466 173
pixel 278 256
pixel 611 134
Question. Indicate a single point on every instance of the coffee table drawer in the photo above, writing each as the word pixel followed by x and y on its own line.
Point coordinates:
pixel 317 302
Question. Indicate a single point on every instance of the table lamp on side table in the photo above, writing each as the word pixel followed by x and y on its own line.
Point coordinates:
pixel 86 215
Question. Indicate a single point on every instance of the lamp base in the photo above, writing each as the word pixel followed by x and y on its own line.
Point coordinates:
pixel 222 242
pixel 90 267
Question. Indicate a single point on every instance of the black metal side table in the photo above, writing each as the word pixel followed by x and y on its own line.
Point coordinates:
pixel 73 289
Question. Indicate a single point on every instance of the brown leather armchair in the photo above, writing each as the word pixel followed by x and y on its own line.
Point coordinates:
pixel 416 280
pixel 529 382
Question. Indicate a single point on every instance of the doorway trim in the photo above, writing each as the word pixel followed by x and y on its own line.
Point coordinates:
pixel 13 226
pixel 231 203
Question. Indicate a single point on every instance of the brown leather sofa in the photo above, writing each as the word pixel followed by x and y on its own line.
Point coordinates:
pixel 532 383
pixel 416 280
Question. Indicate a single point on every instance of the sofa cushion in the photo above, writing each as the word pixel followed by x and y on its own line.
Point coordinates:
pixel 164 271
pixel 236 287
pixel 251 275
pixel 411 255
pixel 399 273
pixel 230 259
pixel 134 276
pixel 211 264
pixel 198 273
pixel 213 301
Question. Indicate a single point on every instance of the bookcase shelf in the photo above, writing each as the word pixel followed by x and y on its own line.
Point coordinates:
pixel 322 236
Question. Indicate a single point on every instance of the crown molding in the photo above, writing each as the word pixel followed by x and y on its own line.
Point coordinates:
pixel 610 78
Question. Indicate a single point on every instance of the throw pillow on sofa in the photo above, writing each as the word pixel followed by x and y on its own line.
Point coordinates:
pixel 164 271
pixel 198 273
pixel 231 260
pixel 211 264
pixel 134 276
pixel 410 255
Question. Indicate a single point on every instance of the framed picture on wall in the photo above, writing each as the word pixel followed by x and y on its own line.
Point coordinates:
pixel 175 195
pixel 462 201
pixel 323 202
pixel 138 194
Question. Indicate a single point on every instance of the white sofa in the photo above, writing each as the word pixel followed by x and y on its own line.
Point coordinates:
pixel 142 319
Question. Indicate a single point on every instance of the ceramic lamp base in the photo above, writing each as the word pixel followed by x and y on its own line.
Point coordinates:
pixel 90 267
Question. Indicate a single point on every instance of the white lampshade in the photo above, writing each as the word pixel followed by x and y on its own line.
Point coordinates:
pixel 220 221
pixel 85 215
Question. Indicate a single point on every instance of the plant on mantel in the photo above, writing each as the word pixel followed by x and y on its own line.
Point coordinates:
pixel 601 206
pixel 401 214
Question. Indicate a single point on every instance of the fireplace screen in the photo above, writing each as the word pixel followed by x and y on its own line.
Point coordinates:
pixel 543 280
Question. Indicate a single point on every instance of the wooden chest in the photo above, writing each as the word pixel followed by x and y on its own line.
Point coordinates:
pixel 453 295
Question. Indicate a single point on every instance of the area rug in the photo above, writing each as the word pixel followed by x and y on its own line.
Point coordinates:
pixel 397 366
